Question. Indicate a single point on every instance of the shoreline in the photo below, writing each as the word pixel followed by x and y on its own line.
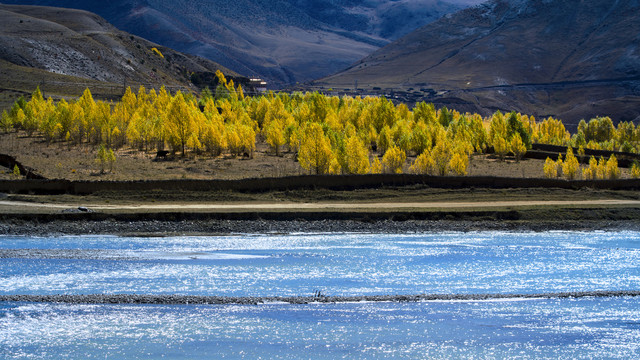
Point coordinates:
pixel 212 227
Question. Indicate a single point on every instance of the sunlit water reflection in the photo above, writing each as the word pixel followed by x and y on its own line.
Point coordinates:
pixel 336 264
pixel 347 264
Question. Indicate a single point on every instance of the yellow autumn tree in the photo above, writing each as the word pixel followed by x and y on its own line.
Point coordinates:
pixel 498 132
pixel 357 156
pixel 570 166
pixel 393 160
pixel 634 172
pixel 315 150
pixel 591 172
pixel 442 153
pixel 274 135
pixel 376 166
pixel 612 171
pixel 424 164
pixel 275 120
pixel 550 169
pixel 459 163
pixel 518 148
pixel 179 125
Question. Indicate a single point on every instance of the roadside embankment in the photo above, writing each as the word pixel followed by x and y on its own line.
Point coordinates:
pixel 331 182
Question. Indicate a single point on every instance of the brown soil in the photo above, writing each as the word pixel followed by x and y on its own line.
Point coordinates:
pixel 59 161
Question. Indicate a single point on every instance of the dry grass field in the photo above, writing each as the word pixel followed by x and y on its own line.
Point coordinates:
pixel 59 161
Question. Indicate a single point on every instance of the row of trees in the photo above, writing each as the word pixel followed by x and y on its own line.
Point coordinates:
pixel 329 134
pixel 570 168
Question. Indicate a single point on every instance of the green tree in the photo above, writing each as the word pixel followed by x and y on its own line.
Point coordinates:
pixel 6 122
pixel 102 157
pixel 111 159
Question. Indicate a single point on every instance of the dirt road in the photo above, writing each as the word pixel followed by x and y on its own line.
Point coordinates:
pixel 29 207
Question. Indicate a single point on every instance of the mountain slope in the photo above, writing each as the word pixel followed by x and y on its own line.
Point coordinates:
pixel 66 50
pixel 283 41
pixel 570 58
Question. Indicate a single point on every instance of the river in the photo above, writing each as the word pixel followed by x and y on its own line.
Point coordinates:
pixel 246 265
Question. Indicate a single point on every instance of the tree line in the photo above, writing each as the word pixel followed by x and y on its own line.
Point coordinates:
pixel 328 134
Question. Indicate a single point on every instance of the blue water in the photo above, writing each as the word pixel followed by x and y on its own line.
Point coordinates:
pixel 336 264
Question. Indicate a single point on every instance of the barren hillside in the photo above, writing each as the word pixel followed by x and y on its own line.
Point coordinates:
pixel 64 51
pixel 283 41
pixel 571 59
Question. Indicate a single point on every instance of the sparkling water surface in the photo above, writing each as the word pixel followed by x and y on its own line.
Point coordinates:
pixel 336 264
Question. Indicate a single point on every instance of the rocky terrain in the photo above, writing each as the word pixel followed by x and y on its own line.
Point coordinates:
pixel 64 51
pixel 283 41
pixel 571 59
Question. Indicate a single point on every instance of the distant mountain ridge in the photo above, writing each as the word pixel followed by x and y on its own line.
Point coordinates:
pixel 284 41
pixel 570 58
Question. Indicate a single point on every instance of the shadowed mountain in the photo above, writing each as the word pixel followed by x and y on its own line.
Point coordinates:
pixel 66 50
pixel 572 59
pixel 283 41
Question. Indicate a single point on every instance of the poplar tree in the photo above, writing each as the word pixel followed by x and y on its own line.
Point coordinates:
pixel 315 150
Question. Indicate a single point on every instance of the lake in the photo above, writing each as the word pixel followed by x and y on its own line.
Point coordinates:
pixel 335 265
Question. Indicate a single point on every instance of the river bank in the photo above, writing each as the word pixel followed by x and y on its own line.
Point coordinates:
pixel 224 227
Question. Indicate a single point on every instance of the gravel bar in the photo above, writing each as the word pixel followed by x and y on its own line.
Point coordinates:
pixel 224 227
pixel 223 300
pixel 65 254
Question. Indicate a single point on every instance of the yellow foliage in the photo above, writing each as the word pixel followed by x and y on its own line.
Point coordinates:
pixel 571 166
pixel 393 160
pixel 601 170
pixel 501 147
pixel 376 166
pixel 338 142
pixel 591 172
pixel 357 156
pixel 550 169
pixel 179 125
pixel 334 166
pixel 459 163
pixel 275 136
pixel 442 153
pixel 424 164
pixel 612 171
pixel 385 140
pixel 635 171
pixel 559 163
pixel 315 151
pixel 518 148
pixel 551 131
pixel 157 52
